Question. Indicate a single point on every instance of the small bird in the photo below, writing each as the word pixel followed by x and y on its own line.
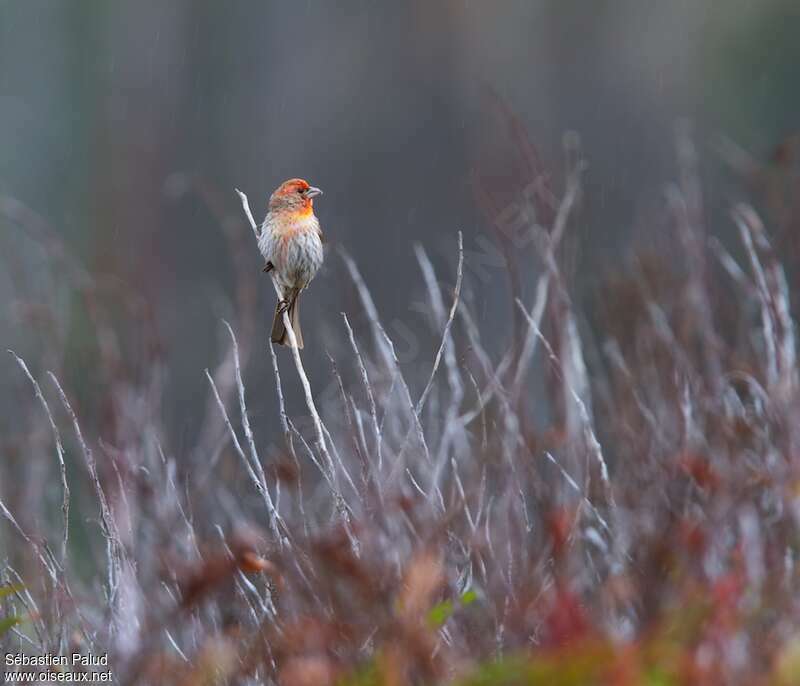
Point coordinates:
pixel 291 243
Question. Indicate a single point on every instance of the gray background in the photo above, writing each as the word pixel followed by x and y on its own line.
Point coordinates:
pixel 105 108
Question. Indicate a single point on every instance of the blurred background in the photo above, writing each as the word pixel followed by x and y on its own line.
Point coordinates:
pixel 124 128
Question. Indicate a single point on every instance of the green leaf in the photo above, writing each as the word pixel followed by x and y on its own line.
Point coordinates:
pixel 468 597
pixel 658 677
pixel 10 590
pixel 367 675
pixel 787 666
pixel 7 623
pixel 440 613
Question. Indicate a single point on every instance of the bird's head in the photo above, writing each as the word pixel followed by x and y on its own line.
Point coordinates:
pixel 294 195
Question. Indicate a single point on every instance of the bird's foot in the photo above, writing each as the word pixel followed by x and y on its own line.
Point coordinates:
pixel 283 305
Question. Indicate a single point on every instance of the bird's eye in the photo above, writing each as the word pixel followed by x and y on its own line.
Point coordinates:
pixel 300 190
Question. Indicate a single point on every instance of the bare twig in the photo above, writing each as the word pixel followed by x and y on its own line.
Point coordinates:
pixel 59 453
pixel 445 334
pixel 260 485
pixel 114 548
pixel 748 226
pixel 560 223
pixel 248 213
pixel 368 390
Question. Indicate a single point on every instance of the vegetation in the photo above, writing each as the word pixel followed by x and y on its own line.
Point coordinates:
pixel 612 499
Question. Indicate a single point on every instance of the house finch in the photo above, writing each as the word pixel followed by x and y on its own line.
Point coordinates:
pixel 291 243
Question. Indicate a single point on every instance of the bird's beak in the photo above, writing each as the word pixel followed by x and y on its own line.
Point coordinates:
pixel 311 192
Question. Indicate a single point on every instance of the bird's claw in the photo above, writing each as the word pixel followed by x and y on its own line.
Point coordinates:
pixel 283 305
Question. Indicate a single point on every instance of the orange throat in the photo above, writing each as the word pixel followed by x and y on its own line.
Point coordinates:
pixel 306 211
pixel 289 223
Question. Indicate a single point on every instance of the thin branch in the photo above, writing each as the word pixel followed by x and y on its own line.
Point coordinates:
pixel 287 434
pixel 306 384
pixel 748 223
pixel 381 339
pixel 589 434
pixel 281 404
pixel 542 287
pixel 59 453
pixel 368 390
pixel 248 432
pixel 248 213
pixel 445 334
pixel 114 548
pixel 259 485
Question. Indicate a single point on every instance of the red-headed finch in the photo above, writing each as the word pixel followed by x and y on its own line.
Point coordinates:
pixel 291 243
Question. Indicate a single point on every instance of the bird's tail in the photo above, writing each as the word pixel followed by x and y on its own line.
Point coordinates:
pixel 279 333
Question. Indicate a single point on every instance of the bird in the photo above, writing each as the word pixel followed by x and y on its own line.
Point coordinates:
pixel 291 242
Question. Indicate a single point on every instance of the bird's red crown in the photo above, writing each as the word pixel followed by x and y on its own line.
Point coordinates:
pixel 294 195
